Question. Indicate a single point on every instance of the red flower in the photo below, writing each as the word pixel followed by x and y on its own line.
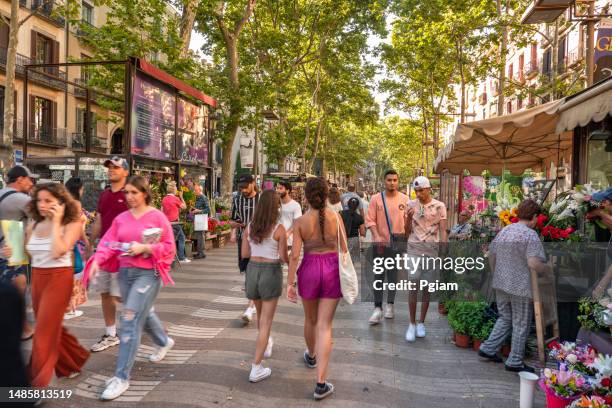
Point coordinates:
pixel 514 220
pixel 554 345
pixel 606 382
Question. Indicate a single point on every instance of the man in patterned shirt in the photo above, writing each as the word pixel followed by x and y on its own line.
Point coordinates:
pixel 426 228
pixel 513 253
pixel 243 208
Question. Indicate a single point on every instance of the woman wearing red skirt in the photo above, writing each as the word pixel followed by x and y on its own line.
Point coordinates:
pixel 50 241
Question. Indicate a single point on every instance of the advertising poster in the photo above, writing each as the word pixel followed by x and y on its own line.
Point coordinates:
pixel 603 51
pixel 193 132
pixel 153 123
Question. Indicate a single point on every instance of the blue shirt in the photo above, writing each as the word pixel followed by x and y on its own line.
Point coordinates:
pixel 202 204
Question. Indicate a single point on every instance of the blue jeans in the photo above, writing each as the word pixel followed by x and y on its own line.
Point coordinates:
pixel 139 288
pixel 179 237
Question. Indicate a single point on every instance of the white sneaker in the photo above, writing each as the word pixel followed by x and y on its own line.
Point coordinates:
pixel 411 333
pixel 259 373
pixel 114 388
pixel 161 352
pixel 389 312
pixel 186 260
pixel 420 330
pixel 72 315
pixel 268 352
pixel 247 316
pixel 376 317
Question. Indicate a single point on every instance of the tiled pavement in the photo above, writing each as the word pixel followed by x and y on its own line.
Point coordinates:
pixel 209 366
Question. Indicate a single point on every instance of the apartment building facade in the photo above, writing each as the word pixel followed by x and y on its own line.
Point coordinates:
pixel 530 72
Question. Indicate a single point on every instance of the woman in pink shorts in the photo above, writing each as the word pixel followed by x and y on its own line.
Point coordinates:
pixel 318 279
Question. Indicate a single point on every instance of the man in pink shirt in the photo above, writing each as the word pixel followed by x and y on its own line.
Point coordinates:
pixel 386 221
pixel 171 207
pixel 426 228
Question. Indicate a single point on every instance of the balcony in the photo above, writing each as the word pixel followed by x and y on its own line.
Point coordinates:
pixel 84 28
pixel 17 129
pixel 531 70
pixel 46 136
pixel 44 9
pixel 574 58
pixel 41 76
pixel 82 92
pixel 98 144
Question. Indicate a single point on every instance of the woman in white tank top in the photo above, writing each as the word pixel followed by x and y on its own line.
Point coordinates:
pixel 266 246
pixel 50 241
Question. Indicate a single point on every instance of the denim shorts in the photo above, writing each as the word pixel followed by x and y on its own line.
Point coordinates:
pixel 8 273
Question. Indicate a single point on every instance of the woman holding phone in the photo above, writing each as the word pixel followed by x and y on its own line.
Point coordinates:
pixel 50 240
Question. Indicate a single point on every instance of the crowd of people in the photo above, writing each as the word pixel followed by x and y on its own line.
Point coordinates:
pixel 137 245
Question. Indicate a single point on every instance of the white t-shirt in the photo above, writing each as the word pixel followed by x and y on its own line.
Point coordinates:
pixel 289 213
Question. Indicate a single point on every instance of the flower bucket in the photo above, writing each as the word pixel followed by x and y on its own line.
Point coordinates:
pixel 462 340
pixel 476 344
pixel 555 401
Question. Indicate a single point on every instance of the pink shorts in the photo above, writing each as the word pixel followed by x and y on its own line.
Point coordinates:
pixel 318 276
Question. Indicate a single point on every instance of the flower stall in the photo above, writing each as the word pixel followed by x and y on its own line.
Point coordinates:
pixel 582 377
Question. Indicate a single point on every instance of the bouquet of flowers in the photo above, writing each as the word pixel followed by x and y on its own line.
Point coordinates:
pixel 565 382
pixel 506 202
pixel 590 402
pixel 576 358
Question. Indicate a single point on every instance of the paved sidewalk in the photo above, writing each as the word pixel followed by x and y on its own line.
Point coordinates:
pixel 209 366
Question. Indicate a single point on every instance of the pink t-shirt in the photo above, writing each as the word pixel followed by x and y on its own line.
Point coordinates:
pixel 426 221
pixel 396 207
pixel 126 228
pixel 171 206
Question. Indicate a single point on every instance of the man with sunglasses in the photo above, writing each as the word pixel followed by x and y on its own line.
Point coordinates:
pixel 14 200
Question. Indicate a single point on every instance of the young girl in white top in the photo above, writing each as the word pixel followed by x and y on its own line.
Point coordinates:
pixel 266 245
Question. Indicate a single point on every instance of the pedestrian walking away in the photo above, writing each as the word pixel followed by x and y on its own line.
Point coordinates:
pixel 139 247
pixel 513 253
pixel 171 207
pixel 290 209
pixel 14 201
pixel 243 209
pixel 354 225
pixel 265 244
pixel 318 279
pixel 111 203
pixel 386 220
pixel 50 241
pixel 202 206
pixel 426 229
pixel 344 199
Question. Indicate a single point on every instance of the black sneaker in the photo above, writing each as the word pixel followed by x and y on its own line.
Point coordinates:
pixel 518 369
pixel 200 256
pixel 311 362
pixel 325 391
pixel 494 358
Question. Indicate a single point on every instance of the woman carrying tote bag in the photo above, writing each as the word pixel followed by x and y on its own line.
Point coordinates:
pixel 319 230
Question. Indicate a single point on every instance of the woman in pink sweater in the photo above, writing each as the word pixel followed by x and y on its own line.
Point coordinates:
pixel 142 267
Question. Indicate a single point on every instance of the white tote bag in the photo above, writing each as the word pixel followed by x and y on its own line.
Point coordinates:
pixel 200 222
pixel 348 276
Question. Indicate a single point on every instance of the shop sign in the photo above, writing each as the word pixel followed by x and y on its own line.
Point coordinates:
pixel 603 51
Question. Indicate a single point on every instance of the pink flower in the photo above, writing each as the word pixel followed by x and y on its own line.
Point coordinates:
pixel 563 377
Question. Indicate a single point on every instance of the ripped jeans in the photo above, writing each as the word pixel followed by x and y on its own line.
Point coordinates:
pixel 139 288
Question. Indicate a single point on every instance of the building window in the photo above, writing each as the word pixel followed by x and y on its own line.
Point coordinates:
pixel 44 50
pixel 547 63
pixel 509 107
pixel 519 102
pixel 43 119
pixel 561 55
pixel 87 13
pixel 80 122
pixel 511 72
pixel 521 71
pixel 534 56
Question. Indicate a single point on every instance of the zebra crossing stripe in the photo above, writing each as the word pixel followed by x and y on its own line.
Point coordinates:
pixel 93 386
pixel 194 332
pixel 231 300
pixel 238 288
pixel 173 356
pixel 214 314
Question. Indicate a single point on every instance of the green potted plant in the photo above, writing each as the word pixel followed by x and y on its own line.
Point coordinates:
pixel 458 319
pixel 482 333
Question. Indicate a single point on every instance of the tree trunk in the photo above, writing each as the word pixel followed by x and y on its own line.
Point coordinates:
pixel 234 116
pixel 187 22
pixel 316 144
pixel 306 140
pixel 7 154
pixel 462 75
